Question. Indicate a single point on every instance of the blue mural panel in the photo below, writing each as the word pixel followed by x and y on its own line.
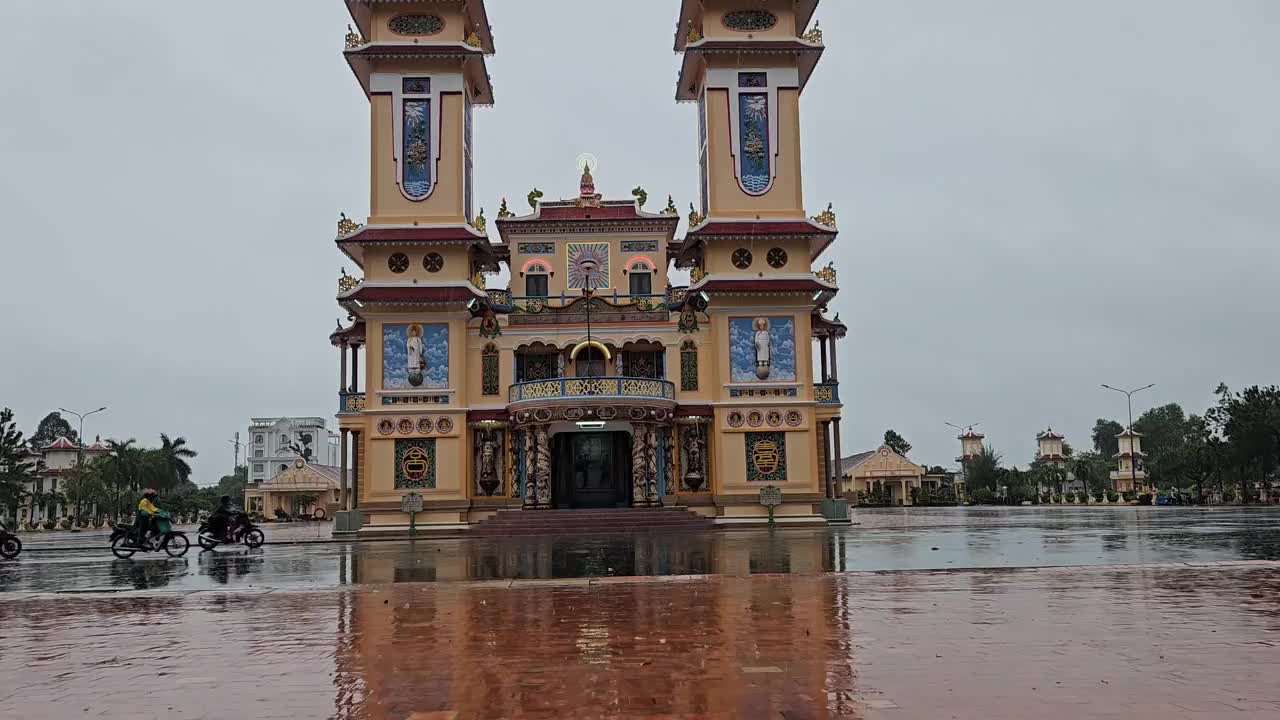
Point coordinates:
pixel 762 349
pixel 415 157
pixel 753 132
pixel 415 355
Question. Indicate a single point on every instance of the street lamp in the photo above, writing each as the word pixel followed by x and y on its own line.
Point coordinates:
pixel 1128 394
pixel 588 273
pixel 80 443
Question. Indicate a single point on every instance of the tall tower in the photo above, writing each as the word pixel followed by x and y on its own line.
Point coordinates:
pixel 751 246
pixel 1049 448
pixel 1129 474
pixel 970 445
pixel 421 65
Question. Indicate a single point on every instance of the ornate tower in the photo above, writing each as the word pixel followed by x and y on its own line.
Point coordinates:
pixel 1049 448
pixel 421 64
pixel 751 246
pixel 1129 474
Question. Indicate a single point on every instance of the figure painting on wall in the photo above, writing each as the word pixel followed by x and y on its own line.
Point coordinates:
pixel 762 349
pixel 415 356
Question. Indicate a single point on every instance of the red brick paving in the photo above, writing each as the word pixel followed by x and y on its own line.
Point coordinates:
pixel 1169 642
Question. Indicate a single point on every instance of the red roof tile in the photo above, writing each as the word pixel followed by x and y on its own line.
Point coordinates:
pixel 413 294
pixel 755 227
pixel 755 284
pixel 411 234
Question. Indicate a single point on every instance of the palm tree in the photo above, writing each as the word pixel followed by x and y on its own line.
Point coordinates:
pixel 174 455
pixel 122 470
pixel 983 470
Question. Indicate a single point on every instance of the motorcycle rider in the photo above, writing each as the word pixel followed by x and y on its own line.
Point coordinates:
pixel 223 519
pixel 146 521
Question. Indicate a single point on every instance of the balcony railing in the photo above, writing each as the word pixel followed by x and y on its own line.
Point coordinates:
pixel 536 304
pixel 349 402
pixel 827 393
pixel 591 387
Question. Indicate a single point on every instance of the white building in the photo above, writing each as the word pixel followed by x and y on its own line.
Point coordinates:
pixel 52 463
pixel 275 442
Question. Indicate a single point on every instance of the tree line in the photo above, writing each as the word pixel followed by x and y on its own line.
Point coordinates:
pixel 1232 448
pixel 107 486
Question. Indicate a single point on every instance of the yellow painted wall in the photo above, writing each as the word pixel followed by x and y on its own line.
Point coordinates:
pixel 719 257
pixel 713 20
pixel 456 264
pixel 558 262
pixel 454 30
pixel 786 197
pixel 388 206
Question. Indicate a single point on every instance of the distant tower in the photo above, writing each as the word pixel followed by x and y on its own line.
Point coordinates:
pixel 1129 474
pixel 1050 450
pixel 970 445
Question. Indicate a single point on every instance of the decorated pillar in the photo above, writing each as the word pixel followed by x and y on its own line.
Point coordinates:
pixel 639 468
pixel 651 465
pixel 530 469
pixel 543 469
pixel 693 465
pixel 668 461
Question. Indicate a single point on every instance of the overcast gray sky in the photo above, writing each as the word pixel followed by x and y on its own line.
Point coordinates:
pixel 1035 196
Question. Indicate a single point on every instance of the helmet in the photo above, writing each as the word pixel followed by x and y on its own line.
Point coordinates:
pixel 149 492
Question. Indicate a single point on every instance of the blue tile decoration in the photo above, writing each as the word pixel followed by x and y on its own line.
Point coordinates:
pixel 415 157
pixel 415 355
pixel 753 139
pixel 762 349
pixel 416 464
pixel 536 248
pixel 634 246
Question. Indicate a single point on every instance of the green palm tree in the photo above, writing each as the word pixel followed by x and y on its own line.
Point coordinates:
pixel 174 455
pixel 122 470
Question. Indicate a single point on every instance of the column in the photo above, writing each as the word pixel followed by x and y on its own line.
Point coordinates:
pixel 832 464
pixel 343 486
pixel 639 485
pixel 353 500
pixel 835 422
pixel 355 368
pixel 825 374
pixel 834 365
pixel 342 366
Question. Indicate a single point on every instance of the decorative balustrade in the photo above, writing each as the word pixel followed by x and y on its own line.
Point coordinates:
pixel 499 297
pixel 827 393
pixel 535 304
pixel 349 402
pixel 592 387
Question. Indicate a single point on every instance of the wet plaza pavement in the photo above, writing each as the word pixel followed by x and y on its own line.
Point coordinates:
pixel 1018 613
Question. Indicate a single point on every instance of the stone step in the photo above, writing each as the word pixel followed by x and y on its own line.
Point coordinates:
pixel 597 521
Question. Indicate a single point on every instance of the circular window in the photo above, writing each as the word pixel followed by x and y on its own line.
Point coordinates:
pixel 433 262
pixel 777 258
pixel 742 258
pixel 398 262
pixel 416 24
pixel 750 20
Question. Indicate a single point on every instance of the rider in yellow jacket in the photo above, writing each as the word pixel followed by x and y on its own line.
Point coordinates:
pixel 146 514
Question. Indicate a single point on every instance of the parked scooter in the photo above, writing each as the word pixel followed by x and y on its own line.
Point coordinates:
pixel 126 539
pixel 240 529
pixel 10 545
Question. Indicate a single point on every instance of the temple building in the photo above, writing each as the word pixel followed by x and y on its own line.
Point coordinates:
pixel 1129 475
pixel 591 381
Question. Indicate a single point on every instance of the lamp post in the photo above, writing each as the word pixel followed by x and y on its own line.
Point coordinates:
pixel 80 437
pixel 588 268
pixel 1128 394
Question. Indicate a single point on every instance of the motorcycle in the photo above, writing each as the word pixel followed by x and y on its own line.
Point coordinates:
pixel 241 530
pixel 10 545
pixel 126 540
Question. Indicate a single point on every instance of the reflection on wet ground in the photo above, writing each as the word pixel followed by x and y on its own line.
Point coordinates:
pixel 1173 643
pixel 922 539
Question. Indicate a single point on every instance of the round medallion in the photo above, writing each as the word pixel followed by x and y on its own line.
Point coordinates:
pixel 734 419
pixel 637 413
pixel 755 418
pixel 542 415
pixel 433 262
pixel 424 426
pixel 750 20
pixel 386 426
pixel 794 418
pixel 415 465
pixel 398 262
pixel 416 24
pixel 607 413
pixel 774 418
pixel 405 426
pixel 573 414
pixel 741 258
pixel 777 258
pixel 444 425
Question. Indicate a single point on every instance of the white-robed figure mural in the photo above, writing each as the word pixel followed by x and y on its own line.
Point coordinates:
pixel 762 349
pixel 415 356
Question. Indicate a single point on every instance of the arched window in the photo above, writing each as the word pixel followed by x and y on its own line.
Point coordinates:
pixel 284 441
pixel 536 276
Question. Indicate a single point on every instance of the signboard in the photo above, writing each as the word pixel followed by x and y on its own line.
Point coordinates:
pixel 771 496
pixel 411 503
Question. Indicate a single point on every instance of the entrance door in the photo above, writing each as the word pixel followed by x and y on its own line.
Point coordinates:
pixel 591 470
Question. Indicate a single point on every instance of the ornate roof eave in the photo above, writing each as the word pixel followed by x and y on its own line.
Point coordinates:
pixel 477 18
pixel 354 333
pixel 389 297
pixel 353 244
pixel 689 85
pixel 820 291
pixel 822 327
pixel 1050 435
pixel 362 58
pixel 690 11
pixel 820 236
pixel 535 224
